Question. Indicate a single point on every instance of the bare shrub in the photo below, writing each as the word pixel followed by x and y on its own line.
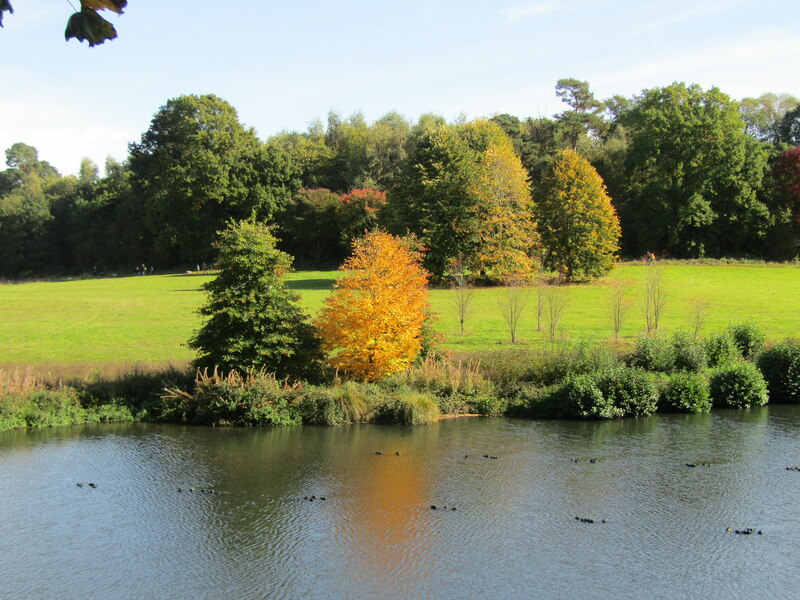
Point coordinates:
pixel 618 304
pixel 513 305
pixel 655 300
pixel 556 300
pixel 461 285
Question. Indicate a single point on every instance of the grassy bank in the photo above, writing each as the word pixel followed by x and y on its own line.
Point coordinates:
pixel 730 368
pixel 68 325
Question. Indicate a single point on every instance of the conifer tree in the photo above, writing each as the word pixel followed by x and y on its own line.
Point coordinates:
pixel 253 320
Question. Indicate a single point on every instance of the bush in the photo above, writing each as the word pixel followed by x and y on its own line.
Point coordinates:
pixel 689 353
pixel 257 398
pixel 749 339
pixel 721 349
pixel 630 389
pixel 580 396
pixel 408 407
pixel 740 385
pixel 686 392
pixel 530 400
pixel 653 353
pixel 780 365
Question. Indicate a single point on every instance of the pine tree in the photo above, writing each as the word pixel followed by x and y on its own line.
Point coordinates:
pixel 253 320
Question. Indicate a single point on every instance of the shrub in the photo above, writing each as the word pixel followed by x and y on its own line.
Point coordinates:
pixel 749 339
pixel 686 392
pixel 630 389
pixel 739 385
pixel 653 353
pixel 580 396
pixel 530 400
pixel 689 353
pixel 780 365
pixel 721 349
pixel 257 398
pixel 408 407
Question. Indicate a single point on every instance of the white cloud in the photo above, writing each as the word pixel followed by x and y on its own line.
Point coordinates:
pixel 519 12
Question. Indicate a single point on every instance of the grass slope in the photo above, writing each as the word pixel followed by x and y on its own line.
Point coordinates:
pixel 150 318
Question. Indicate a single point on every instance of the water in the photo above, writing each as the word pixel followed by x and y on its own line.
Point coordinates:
pixel 513 535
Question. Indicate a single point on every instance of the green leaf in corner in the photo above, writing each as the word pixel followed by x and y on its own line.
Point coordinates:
pixel 89 26
pixel 5 5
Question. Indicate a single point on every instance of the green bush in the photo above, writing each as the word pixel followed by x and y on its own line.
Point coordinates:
pixel 529 400
pixel 738 385
pixel 780 365
pixel 721 349
pixel 749 339
pixel 630 389
pixel 686 392
pixel 653 353
pixel 581 396
pixel 689 353
pixel 257 398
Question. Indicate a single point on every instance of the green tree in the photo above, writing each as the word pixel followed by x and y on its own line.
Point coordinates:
pixel 693 176
pixel 310 229
pixel 197 167
pixel 763 115
pixel 578 225
pixel 586 113
pixel 252 318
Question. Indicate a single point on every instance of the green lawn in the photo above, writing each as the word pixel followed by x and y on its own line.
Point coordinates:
pixel 150 318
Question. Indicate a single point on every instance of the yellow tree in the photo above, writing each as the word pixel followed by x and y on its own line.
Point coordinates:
pixel 371 324
pixel 505 231
pixel 578 224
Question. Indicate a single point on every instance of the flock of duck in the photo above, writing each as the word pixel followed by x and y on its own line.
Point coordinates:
pixel 747 531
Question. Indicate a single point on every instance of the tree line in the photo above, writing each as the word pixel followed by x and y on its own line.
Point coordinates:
pixel 675 170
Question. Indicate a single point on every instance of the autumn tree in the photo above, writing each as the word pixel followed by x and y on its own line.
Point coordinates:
pixel 505 230
pixel 252 318
pixel 578 225
pixel 372 322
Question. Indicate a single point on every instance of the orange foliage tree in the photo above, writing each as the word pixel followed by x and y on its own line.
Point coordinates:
pixel 371 324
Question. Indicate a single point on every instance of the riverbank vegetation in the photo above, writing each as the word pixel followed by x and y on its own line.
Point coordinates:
pixel 558 380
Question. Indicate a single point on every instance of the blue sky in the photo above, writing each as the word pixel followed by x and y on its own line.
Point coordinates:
pixel 283 64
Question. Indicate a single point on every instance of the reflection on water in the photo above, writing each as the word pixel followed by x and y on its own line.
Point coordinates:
pixel 513 533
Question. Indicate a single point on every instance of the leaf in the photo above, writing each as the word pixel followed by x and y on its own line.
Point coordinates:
pixel 113 5
pixel 5 5
pixel 89 26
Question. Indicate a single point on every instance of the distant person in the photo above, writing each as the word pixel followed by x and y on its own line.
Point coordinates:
pixel 136 268
pixel 151 269
pixel 205 267
pixel 144 270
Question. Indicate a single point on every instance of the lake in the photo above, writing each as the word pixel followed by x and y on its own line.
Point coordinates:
pixel 240 526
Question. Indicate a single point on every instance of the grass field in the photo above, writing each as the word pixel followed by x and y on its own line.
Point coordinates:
pixel 128 319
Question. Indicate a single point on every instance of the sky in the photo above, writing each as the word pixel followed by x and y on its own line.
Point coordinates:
pixel 284 64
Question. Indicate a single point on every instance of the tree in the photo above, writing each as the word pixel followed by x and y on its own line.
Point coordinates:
pixel 789 130
pixel 464 193
pixel 693 175
pixel 87 24
pixel 786 177
pixel 432 198
pixel 505 231
pixel 196 168
pixel 578 225
pixel 764 115
pixel 310 229
pixel 358 211
pixel 372 323
pixel 252 318
pixel 586 113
